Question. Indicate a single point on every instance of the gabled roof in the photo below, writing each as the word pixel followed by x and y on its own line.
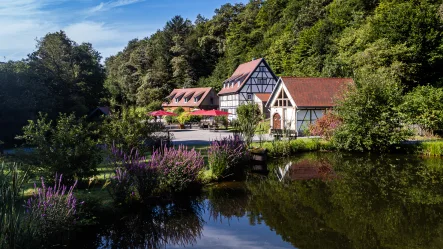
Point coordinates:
pixel 189 93
pixel 242 74
pixel 263 96
pixel 314 92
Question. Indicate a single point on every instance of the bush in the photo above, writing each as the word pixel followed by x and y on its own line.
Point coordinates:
pixel 325 126
pixel 183 118
pixel 66 148
pixel 52 210
pixel 173 119
pixel 224 155
pixel 249 116
pixel 424 106
pixel 178 168
pixel 130 130
pixel 369 110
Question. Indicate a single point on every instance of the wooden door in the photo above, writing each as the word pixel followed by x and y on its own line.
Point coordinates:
pixel 276 121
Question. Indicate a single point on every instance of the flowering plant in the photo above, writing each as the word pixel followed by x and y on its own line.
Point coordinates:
pixel 225 154
pixel 177 167
pixel 52 209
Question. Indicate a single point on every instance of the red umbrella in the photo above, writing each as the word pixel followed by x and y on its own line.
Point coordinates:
pixel 162 113
pixel 212 113
pixel 198 113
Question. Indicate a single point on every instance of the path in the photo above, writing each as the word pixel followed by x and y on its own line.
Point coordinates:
pixel 203 137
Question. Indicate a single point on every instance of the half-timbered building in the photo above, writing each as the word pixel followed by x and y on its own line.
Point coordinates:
pixel 296 103
pixel 248 79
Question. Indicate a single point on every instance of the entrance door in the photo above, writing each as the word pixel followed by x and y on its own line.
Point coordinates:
pixel 276 121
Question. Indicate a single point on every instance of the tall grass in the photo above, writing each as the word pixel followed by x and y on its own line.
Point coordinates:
pixel 431 148
pixel 11 227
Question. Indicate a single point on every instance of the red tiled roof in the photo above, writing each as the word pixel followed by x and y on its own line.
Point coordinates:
pixel 189 93
pixel 315 92
pixel 242 74
pixel 263 96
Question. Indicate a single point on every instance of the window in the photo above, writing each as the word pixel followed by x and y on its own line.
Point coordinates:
pixel 186 100
pixel 176 100
pixel 195 99
pixel 212 100
pixel 249 96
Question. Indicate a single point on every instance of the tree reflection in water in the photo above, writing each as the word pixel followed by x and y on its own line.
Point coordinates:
pixel 350 201
pixel 178 224
pixel 375 202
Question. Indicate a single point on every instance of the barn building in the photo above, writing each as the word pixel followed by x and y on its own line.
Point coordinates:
pixel 296 102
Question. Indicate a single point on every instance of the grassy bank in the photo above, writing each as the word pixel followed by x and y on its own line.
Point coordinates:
pixel 426 148
pixel 288 147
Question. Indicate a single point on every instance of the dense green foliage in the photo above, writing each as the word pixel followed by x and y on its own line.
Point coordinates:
pixel 370 114
pixel 60 76
pixel 329 38
pixel 318 38
pixel 424 106
pixel 66 147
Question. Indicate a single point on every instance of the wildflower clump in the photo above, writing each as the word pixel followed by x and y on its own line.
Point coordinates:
pixel 52 209
pixel 177 167
pixel 225 154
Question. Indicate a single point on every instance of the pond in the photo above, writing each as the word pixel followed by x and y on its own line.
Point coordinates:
pixel 314 200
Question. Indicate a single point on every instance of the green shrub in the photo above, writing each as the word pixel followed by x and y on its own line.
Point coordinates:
pixel 424 106
pixel 130 130
pixel 370 115
pixel 66 148
pixel 249 116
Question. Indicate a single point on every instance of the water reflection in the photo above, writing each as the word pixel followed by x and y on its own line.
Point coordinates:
pixel 375 202
pixel 315 200
pixel 176 224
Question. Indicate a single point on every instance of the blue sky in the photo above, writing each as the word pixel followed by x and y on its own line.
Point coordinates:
pixel 108 25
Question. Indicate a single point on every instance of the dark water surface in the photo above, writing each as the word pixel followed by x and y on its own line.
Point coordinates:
pixel 314 200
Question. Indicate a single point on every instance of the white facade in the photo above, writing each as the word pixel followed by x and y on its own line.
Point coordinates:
pixel 285 114
pixel 261 80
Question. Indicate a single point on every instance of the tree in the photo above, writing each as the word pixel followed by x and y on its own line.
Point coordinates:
pixel 66 147
pixel 249 117
pixel 370 113
pixel 72 73
pixel 424 106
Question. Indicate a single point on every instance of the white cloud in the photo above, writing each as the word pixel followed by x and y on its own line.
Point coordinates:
pixel 22 21
pixel 111 4
pixel 220 238
pixel 107 39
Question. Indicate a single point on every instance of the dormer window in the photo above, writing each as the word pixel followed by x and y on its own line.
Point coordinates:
pixel 238 83
pixel 186 100
pixel 195 99
pixel 176 100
